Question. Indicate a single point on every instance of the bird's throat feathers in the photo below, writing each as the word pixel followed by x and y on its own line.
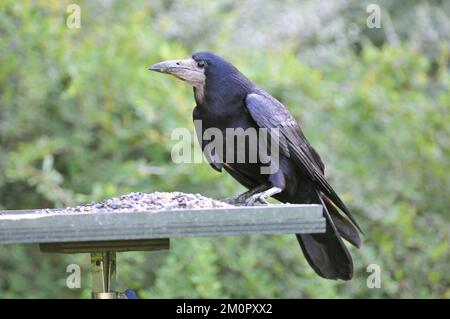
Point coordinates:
pixel 199 93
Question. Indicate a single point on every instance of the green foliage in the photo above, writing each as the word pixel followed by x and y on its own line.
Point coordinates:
pixel 81 119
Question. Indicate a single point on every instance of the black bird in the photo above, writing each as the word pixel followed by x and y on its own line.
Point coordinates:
pixel 225 98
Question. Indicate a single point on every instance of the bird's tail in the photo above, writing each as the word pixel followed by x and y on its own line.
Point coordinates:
pixel 326 253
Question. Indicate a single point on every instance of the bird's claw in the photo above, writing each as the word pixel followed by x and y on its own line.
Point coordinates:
pixel 257 198
pixel 243 198
pixel 246 201
pixel 259 193
pixel 262 196
pixel 237 200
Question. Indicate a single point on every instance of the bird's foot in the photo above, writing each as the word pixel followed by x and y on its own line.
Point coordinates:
pixel 262 196
pixel 235 200
pixel 242 198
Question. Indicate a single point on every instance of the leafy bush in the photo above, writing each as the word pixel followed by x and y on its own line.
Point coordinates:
pixel 81 119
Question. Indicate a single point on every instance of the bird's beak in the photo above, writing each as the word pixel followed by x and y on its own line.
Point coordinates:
pixel 185 70
pixel 169 67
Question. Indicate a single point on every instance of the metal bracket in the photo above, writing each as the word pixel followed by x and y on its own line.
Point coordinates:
pixel 103 275
pixel 103 260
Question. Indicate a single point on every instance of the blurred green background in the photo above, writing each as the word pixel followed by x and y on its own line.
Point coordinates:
pixel 81 119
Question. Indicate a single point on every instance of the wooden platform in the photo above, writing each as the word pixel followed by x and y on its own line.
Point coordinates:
pixel 103 234
pixel 54 227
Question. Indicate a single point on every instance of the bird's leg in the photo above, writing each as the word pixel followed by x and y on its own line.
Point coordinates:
pixel 261 196
pixel 241 199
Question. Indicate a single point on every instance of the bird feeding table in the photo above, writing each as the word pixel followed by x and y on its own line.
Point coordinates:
pixel 103 234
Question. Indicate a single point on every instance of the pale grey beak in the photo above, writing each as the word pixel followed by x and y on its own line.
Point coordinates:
pixel 186 70
pixel 169 67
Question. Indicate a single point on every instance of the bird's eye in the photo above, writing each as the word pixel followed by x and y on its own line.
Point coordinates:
pixel 201 64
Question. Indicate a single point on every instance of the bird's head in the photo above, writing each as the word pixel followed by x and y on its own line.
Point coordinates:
pixel 205 69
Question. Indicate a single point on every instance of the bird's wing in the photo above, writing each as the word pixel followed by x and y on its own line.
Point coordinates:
pixel 268 112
